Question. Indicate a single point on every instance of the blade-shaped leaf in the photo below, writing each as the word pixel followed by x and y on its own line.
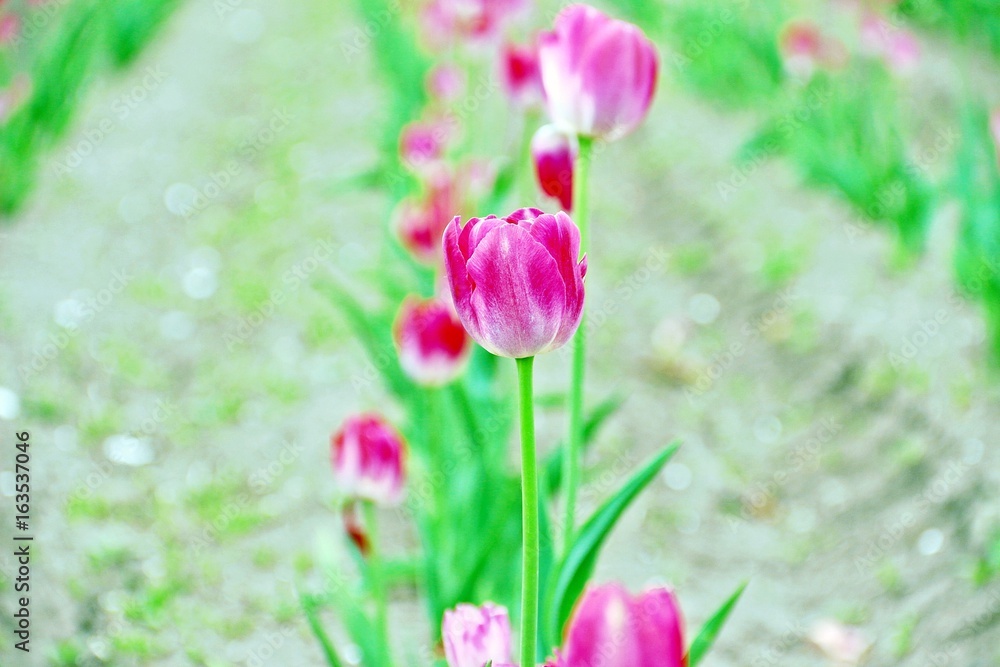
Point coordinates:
pixel 578 564
pixel 310 606
pixel 706 637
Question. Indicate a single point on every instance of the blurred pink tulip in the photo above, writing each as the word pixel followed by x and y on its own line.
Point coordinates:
pixel 599 73
pixel 520 75
pixel 14 95
pixel 474 636
pixel 10 24
pixel 433 347
pixel 422 144
pixel 516 282
pixel 369 460
pixel 898 48
pixel 446 21
pixel 421 222
pixel 804 49
pixel 446 83
pixel 612 628
pixel 553 152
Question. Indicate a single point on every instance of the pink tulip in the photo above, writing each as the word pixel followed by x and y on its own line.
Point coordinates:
pixel 475 21
pixel 422 144
pixel 599 73
pixel 804 49
pixel 520 75
pixel 369 460
pixel 473 636
pixel 614 629
pixel 446 83
pixel 898 48
pixel 553 152
pixel 516 282
pixel 10 24
pixel 432 344
pixel 421 222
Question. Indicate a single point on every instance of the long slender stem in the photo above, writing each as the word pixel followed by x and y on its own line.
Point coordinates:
pixel 571 457
pixel 529 513
pixel 377 581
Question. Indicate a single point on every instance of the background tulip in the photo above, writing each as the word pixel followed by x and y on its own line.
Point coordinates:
pixel 369 459
pixel 421 222
pixel 553 152
pixel 519 72
pixel 433 347
pixel 474 635
pixel 614 629
pixel 516 282
pixel 599 73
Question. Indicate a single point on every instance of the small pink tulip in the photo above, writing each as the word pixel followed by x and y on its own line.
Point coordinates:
pixel 433 347
pixel 475 21
pixel 898 48
pixel 804 48
pixel 614 629
pixel 420 223
pixel 422 144
pixel 473 636
pixel 446 83
pixel 553 152
pixel 369 460
pixel 516 282
pixel 599 73
pixel 520 75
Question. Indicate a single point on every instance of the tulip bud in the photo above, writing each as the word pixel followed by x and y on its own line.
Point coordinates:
pixel 599 73
pixel 431 342
pixel 612 628
pixel 553 152
pixel 474 636
pixel 520 75
pixel 516 282
pixel 368 459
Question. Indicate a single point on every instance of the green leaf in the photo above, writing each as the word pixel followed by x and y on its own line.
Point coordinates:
pixel 706 637
pixel 578 564
pixel 310 606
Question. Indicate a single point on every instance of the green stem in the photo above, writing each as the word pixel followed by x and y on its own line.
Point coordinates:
pixel 529 514
pixel 377 582
pixel 571 460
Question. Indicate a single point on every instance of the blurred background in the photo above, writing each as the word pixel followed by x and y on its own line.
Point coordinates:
pixel 796 272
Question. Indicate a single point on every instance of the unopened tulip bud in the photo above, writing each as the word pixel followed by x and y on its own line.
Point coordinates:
pixel 369 460
pixel 521 78
pixel 553 152
pixel 516 282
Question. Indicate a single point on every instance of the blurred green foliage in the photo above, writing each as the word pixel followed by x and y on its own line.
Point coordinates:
pixel 976 22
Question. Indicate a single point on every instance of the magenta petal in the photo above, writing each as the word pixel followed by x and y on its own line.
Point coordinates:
pixel 458 276
pixel 562 239
pixel 660 630
pixel 519 296
pixel 602 631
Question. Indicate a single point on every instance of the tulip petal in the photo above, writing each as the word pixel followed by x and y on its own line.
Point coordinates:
pixel 562 239
pixel 519 296
pixel 602 631
pixel 659 628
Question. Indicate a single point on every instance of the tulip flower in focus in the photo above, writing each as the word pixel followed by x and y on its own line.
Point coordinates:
pixel 599 73
pixel 612 628
pixel 553 152
pixel 369 460
pixel 431 342
pixel 519 72
pixel 474 636
pixel 516 282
